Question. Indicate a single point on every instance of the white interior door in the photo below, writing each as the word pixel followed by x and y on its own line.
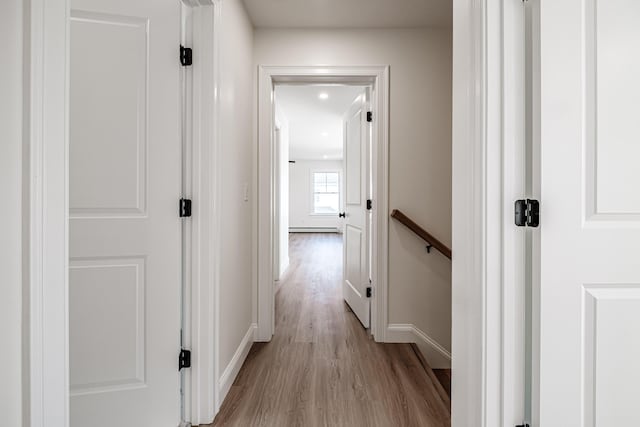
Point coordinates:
pixel 356 230
pixel 124 278
pixel 589 295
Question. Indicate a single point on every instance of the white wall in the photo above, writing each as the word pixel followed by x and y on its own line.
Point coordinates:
pixel 10 214
pixel 236 137
pixel 300 195
pixel 420 150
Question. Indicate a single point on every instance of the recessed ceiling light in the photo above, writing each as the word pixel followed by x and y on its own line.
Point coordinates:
pixel 325 134
pixel 325 157
pixel 323 95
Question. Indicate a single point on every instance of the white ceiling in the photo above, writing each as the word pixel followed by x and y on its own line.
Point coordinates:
pixel 315 125
pixel 349 13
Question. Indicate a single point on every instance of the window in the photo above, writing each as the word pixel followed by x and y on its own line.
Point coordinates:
pixel 326 193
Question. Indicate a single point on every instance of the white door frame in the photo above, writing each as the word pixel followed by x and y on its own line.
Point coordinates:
pixel 46 159
pixel 488 176
pixel 45 303
pixel 201 332
pixel 378 76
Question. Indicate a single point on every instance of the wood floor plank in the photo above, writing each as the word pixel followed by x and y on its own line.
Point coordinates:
pixel 322 368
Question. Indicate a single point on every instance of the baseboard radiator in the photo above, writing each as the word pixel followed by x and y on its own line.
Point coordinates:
pixel 314 230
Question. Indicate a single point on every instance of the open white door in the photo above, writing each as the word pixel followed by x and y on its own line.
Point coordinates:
pixel 356 225
pixel 589 296
pixel 124 278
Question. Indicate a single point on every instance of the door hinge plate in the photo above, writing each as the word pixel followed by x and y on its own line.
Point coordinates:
pixel 186 56
pixel 369 204
pixel 184 359
pixel 369 292
pixel 527 213
pixel 185 208
pixel 369 116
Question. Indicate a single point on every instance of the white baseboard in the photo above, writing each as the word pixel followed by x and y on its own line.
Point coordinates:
pixel 284 265
pixel 231 371
pixel 314 230
pixel 437 356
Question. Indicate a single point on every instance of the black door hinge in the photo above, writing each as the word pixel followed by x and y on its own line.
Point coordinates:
pixel 186 56
pixel 369 290
pixel 184 359
pixel 527 213
pixel 369 204
pixel 523 425
pixel 185 208
pixel 369 116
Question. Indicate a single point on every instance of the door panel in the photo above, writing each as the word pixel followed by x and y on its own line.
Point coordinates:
pixel 353 268
pixel 109 106
pixel 613 89
pixel 108 323
pixel 590 228
pixel 611 317
pixel 356 266
pixel 353 158
pixel 124 237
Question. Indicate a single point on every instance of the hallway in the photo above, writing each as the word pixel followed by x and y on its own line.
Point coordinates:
pixel 321 367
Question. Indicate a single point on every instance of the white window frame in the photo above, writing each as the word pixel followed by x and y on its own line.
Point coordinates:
pixel 312 186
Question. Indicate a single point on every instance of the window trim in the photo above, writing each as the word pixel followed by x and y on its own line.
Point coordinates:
pixel 312 210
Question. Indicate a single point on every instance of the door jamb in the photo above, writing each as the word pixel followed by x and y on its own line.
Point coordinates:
pixel 45 212
pixel 201 334
pixel 265 209
pixel 487 286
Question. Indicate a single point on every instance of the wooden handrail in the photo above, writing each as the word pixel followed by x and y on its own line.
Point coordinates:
pixel 421 232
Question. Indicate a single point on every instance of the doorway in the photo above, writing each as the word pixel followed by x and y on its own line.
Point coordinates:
pixel 369 304
pixel 323 182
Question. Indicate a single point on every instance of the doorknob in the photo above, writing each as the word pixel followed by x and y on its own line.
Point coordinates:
pixel 342 215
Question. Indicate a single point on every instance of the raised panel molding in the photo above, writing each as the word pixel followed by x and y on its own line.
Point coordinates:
pixel 612 128
pixel 108 168
pixel 611 350
pixel 353 242
pixel 353 160
pixel 107 320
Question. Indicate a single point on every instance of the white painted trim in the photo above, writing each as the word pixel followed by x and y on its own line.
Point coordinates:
pixel 485 118
pixel 284 266
pixel 314 230
pixel 202 331
pixel 233 368
pixel 263 274
pixel 46 395
pixel 436 355
pixel 512 79
pixel 536 190
pixel 312 202
pixel 278 200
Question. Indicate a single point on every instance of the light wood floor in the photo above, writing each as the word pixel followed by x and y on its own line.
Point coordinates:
pixel 322 368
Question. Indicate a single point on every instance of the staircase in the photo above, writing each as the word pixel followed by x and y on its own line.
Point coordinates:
pixel 441 378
